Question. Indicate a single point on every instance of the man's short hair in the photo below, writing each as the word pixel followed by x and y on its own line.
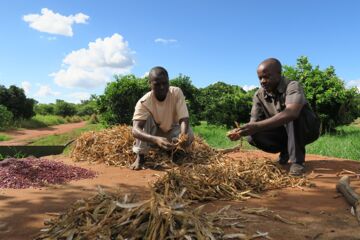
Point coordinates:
pixel 274 63
pixel 158 72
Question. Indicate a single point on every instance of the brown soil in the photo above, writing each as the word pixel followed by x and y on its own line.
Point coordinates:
pixel 24 136
pixel 320 211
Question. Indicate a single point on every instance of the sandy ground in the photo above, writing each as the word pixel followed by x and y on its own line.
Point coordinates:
pixel 322 212
pixel 23 136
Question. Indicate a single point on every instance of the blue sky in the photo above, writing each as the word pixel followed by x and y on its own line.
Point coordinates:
pixel 70 49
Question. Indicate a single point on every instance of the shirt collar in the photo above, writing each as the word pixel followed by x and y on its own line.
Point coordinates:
pixel 281 88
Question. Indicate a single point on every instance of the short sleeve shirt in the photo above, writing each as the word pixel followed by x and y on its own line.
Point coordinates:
pixel 165 113
pixel 266 105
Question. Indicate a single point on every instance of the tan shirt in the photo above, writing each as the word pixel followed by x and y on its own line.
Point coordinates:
pixel 166 113
pixel 266 105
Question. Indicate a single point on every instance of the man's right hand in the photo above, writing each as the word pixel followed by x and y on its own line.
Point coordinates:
pixel 164 143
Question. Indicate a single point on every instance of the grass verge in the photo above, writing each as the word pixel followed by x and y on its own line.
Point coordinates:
pixel 215 136
pixel 4 137
pixel 40 121
pixel 344 143
pixel 62 139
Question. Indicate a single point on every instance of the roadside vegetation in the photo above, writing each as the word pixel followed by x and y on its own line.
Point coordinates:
pixel 4 137
pixel 343 143
pixel 213 109
pixel 62 139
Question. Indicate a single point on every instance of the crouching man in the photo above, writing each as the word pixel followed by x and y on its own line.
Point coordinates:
pixel 281 118
pixel 161 116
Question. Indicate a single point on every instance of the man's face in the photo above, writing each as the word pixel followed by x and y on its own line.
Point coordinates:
pixel 160 87
pixel 269 77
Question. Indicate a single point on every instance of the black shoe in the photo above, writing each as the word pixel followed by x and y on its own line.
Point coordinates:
pixel 283 158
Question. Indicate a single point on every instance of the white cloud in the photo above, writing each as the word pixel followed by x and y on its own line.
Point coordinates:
pixel 95 65
pixel 49 38
pixel 249 87
pixel 145 75
pixel 26 86
pixel 76 97
pixel 45 91
pixel 54 23
pixel 165 41
pixel 354 83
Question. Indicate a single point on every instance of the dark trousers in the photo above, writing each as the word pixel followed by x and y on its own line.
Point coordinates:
pixel 291 138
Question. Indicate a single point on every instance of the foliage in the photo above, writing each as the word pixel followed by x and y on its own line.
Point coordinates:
pixel 117 104
pixel 14 99
pixel 326 93
pixel 4 138
pixel 44 109
pixel 222 104
pixel 5 117
pixel 190 93
pixel 87 107
pixel 344 143
pixel 64 109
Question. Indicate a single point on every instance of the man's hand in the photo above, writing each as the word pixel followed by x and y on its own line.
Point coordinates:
pixel 164 143
pixel 245 130
pixel 234 134
pixel 249 129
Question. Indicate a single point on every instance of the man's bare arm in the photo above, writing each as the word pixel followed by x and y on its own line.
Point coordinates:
pixel 184 125
pixel 290 113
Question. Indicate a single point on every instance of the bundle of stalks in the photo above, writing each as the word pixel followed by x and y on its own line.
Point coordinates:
pixel 114 147
pixel 114 216
pixel 111 146
pixel 226 179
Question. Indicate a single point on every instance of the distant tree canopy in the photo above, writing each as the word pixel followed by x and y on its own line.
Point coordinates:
pixel 326 93
pixel 15 100
pixel 219 103
pixel 5 117
pixel 117 104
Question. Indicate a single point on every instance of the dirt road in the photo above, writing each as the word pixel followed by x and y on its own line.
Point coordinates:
pixel 24 136
pixel 320 212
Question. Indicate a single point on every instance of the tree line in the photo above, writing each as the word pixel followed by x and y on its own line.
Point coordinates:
pixel 219 103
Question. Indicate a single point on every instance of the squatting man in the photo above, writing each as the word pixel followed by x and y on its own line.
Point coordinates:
pixel 160 117
pixel 281 118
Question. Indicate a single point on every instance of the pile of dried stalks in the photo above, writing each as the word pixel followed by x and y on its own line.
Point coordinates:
pixel 226 178
pixel 111 216
pixel 113 146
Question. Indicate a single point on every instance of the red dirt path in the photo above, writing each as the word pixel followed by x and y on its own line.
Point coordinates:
pixel 24 136
pixel 324 214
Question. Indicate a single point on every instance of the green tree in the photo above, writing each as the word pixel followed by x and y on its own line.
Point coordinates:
pixel 44 109
pixel 87 107
pixel 325 92
pixel 223 104
pixel 15 100
pixel 6 117
pixel 64 109
pixel 117 104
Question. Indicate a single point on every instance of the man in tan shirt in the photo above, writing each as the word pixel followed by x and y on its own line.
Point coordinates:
pixel 281 118
pixel 160 116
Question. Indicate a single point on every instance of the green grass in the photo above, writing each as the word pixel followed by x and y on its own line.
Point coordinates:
pixel 344 143
pixel 215 136
pixel 4 137
pixel 62 139
pixel 40 121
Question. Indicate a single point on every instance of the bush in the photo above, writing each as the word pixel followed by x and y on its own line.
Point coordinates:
pixel 14 99
pixel 326 93
pixel 222 104
pixel 44 109
pixel 117 104
pixel 64 109
pixel 6 117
